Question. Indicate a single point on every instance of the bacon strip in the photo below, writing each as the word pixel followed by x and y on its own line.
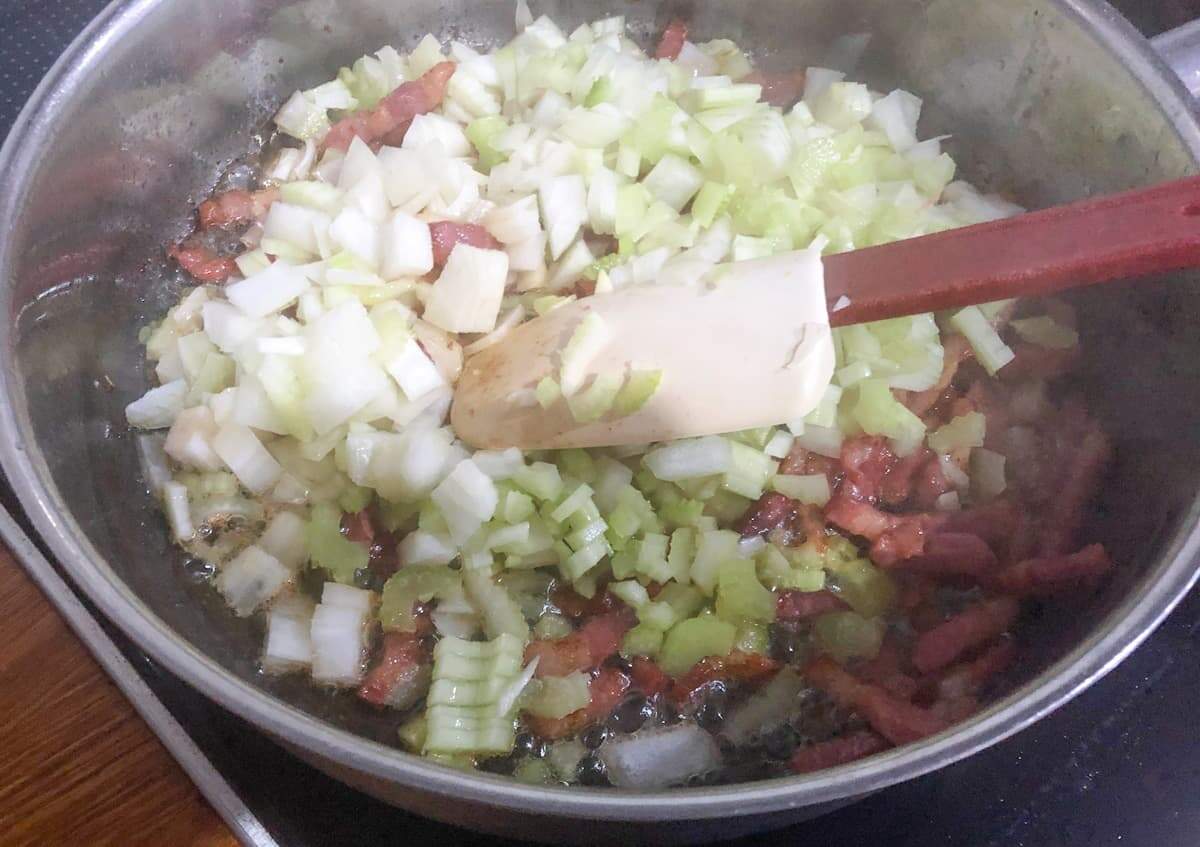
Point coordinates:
pixel 738 666
pixel 389 120
pixel 896 720
pixel 973 627
pixel 952 554
pixel 1053 574
pixel 672 40
pixel 966 679
pixel 1079 482
pixel 648 677
pixel 202 262
pixel 780 90
pixel 236 207
pixel 401 675
pixel 837 751
pixel 446 235
pixel 583 649
pixel 607 689
pixel 771 511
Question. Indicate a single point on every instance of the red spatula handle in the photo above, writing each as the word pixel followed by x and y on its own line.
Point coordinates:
pixel 1146 231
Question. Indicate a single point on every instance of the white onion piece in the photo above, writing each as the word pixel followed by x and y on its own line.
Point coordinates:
pixel 764 710
pixel 467 295
pixel 250 579
pixel 284 539
pixel 407 247
pixel 425 548
pixel 189 441
pixel 245 455
pixel 658 758
pixel 288 644
pixel 158 407
pixel 175 503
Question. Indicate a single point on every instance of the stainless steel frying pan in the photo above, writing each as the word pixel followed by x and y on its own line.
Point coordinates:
pixel 1048 100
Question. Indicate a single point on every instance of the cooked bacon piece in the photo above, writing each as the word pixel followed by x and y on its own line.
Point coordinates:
pixel 738 666
pixel 996 522
pixel 956 351
pixel 236 207
pixel 837 751
pixel 803 605
pixel 672 40
pixel 966 679
pixel 1077 486
pixel 893 537
pixel 202 262
pixel 574 605
pixel 1047 575
pixel 607 689
pixel 358 527
pixel 866 461
pixel 810 523
pixel 951 554
pixel 446 235
pixel 780 90
pixel 971 628
pixel 771 511
pixel 583 649
pixel 888 670
pixel 930 484
pixel 895 719
pixel 648 677
pixel 401 675
pixel 897 485
pixel 389 120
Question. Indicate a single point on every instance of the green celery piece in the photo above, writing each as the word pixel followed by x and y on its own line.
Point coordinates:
pixel 753 637
pixel 848 635
pixel 331 550
pixel 740 596
pixel 692 640
pixel 642 640
pixel 411 585
pixel 867 589
pixel 482 132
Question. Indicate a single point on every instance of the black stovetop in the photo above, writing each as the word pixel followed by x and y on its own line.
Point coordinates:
pixel 1118 765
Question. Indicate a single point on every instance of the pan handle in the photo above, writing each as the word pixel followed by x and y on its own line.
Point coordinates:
pixel 1180 48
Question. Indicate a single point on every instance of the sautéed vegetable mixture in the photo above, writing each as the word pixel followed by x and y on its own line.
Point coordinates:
pixel 722 608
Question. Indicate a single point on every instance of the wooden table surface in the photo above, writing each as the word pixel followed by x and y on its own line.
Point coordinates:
pixel 77 764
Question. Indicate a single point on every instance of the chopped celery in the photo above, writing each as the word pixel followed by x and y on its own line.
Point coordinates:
pixel 962 431
pixel 711 202
pixel 559 696
pixel 499 610
pixel 811 489
pixel 572 503
pixel 683 549
pixel 412 733
pixel 578 464
pixel 749 470
pixel 726 506
pixel 752 637
pixel 642 640
pixel 637 390
pixel 411 585
pixel 355 498
pixel 652 558
pixel 878 412
pixel 692 640
pixel 465 673
pixel 595 401
pixel 600 92
pixel 551 626
pixel 516 506
pixel 548 392
pixel 684 600
pixel 740 596
pixel 867 589
pixel 630 592
pixel 484 133
pixel 848 635
pixel 583 560
pixel 989 347
pixel 331 550
pixel 540 479
pixel 713 549
pixel 535 772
